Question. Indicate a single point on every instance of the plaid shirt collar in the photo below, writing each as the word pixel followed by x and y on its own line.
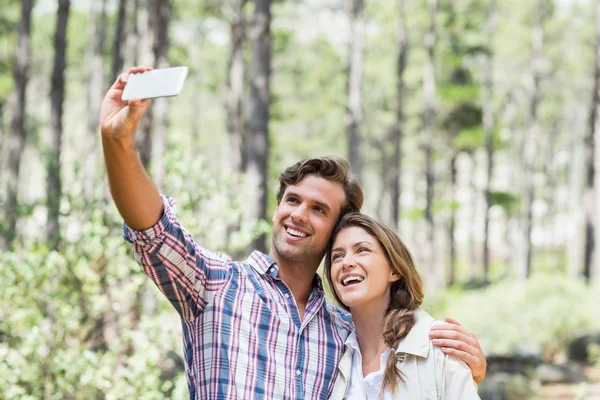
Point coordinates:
pixel 265 265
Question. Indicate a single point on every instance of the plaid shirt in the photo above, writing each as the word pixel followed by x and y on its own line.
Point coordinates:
pixel 242 333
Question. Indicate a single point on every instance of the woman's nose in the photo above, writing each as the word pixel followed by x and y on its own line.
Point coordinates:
pixel 347 263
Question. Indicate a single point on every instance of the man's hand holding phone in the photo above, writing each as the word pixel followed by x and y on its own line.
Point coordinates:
pixel 129 97
pixel 119 118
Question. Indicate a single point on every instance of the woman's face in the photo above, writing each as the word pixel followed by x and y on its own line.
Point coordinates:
pixel 360 271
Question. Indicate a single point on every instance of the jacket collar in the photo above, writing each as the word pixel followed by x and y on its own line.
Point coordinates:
pixel 416 342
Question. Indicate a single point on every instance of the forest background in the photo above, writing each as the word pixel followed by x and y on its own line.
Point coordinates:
pixel 472 124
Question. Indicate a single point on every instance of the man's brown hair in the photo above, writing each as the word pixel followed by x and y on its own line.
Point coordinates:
pixel 332 168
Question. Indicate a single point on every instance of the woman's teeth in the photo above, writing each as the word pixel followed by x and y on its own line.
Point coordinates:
pixel 349 279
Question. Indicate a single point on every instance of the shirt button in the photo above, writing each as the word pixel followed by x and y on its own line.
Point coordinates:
pixel 287 295
pixel 298 372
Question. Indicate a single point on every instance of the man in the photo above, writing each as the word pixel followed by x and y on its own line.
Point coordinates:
pixel 260 328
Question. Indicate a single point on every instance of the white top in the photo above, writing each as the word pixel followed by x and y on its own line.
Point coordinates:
pixel 429 374
pixel 367 387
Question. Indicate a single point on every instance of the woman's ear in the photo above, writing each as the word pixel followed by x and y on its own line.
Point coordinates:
pixel 394 276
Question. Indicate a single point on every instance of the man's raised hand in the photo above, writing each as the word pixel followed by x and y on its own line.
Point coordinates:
pixel 119 119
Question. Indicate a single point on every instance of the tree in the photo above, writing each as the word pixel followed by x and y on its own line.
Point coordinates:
pixel 161 14
pixel 57 96
pixel 392 161
pixel 354 110
pixel 94 57
pixel 18 129
pixel 257 150
pixel 530 148
pixel 118 40
pixel 429 113
pixel 132 34
pixel 234 101
pixel 145 56
pixel 592 188
pixel 488 129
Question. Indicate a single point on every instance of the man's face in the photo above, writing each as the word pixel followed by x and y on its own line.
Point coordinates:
pixel 304 220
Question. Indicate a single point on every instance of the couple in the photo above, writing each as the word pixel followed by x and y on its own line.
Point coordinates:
pixel 261 329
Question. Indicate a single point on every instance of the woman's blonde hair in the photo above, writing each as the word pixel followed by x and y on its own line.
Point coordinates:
pixel 406 294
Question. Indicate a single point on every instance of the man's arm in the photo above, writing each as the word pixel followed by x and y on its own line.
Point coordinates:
pixel 132 190
pixel 180 268
pixel 461 343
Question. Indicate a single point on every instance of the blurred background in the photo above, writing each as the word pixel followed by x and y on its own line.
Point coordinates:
pixel 472 124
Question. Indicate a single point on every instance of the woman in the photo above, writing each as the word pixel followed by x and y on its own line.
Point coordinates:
pixel 390 354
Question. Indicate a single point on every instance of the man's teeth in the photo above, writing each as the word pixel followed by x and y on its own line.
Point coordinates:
pixel 295 233
pixel 352 278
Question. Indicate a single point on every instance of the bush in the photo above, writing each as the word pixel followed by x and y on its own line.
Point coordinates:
pixel 539 314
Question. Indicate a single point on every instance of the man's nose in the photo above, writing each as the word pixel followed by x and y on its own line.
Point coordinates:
pixel 299 214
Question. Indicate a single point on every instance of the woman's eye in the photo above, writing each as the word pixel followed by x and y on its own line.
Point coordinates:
pixel 335 257
pixel 363 249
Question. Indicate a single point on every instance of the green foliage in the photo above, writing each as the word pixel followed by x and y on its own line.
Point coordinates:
pixel 463 115
pixel 509 316
pixel 57 310
pixel 8 44
pixel 210 203
pixel 468 139
pixel 510 202
pixel 450 94
pixel 594 354
pixel 52 303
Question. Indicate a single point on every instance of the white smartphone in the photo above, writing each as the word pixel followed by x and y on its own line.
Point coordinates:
pixel 163 82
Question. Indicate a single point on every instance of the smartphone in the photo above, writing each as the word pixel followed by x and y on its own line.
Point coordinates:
pixel 163 82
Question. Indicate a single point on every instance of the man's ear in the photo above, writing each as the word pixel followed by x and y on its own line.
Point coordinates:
pixel 275 212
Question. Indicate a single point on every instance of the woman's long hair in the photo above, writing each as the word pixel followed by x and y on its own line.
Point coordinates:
pixel 406 294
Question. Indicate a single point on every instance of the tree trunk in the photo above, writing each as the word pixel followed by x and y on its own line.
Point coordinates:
pixel 234 107
pixel 160 30
pixel 145 56
pixel 473 219
pixel 429 89
pixel 18 130
pixel 117 50
pixel 452 222
pixel 258 124
pixel 488 129
pixel 96 36
pixel 531 139
pixel 354 111
pixel 590 209
pixel 57 95
pixel 392 163
pixel 132 33
pixel 592 255
pixel 575 245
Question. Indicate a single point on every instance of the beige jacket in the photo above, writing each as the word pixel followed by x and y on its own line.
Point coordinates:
pixel 429 373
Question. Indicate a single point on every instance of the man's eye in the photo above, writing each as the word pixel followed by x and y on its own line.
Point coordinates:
pixel 319 210
pixel 292 200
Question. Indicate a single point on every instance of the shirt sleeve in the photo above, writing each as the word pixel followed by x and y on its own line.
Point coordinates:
pixel 184 272
pixel 457 381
